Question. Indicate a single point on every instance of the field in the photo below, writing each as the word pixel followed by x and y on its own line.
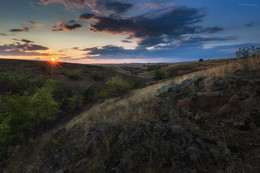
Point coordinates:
pixel 95 127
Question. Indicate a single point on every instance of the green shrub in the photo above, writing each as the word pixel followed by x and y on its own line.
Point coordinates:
pixel 43 67
pixel 24 114
pixel 75 103
pixel 172 72
pixel 44 106
pixel 200 60
pixel 96 76
pixel 60 90
pixel 115 87
pixel 136 83
pixel 17 83
pixel 159 74
pixel 89 93
pixel 74 74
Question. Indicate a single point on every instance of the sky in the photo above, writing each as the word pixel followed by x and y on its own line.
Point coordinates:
pixel 127 31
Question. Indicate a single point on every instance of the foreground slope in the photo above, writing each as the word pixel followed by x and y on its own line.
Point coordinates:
pixel 203 124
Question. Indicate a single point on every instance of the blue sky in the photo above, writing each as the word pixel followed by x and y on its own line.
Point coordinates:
pixel 126 31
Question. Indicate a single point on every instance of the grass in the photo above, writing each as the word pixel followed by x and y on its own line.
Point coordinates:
pixel 138 105
pixel 140 99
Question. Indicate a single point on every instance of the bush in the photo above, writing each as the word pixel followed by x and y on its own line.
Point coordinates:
pixel 89 93
pixel 136 83
pixel 74 103
pixel 159 74
pixel 200 60
pixel 96 76
pixel 17 83
pixel 115 87
pixel 24 114
pixel 172 72
pixel 43 67
pixel 247 52
pixel 60 90
pixel 74 74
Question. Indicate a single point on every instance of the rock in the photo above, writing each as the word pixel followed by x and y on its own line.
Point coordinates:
pixel 194 80
pixel 177 129
pixel 186 105
pixel 226 110
pixel 205 115
pixel 235 103
pixel 168 93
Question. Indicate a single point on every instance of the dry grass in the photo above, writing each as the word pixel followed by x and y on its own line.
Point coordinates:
pixel 135 105
pixel 139 103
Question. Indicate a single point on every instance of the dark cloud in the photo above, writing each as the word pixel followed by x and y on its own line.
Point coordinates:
pixel 26 26
pixel 69 26
pixel 118 7
pixel 3 34
pixel 155 27
pixel 87 16
pixel 112 51
pixel 23 49
pixel 25 29
pixel 27 41
pixel 180 44
pixel 126 41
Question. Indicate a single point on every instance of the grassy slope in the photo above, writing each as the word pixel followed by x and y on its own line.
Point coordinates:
pixel 137 106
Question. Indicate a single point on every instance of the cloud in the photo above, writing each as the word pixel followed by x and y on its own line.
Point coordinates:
pixel 112 51
pixel 26 26
pixel 25 29
pixel 69 26
pixel 87 16
pixel 23 48
pixel 178 45
pixel 27 41
pixel 68 3
pixel 3 34
pixel 154 27
pixel 118 7
pixel 97 6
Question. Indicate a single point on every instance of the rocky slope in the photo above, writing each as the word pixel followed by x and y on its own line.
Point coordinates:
pixel 203 124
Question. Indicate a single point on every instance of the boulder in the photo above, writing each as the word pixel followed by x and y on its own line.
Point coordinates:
pixel 168 93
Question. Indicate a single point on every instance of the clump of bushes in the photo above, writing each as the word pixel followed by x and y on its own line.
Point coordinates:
pixel 136 83
pixel 200 60
pixel 247 52
pixel 43 67
pixel 27 104
pixel 74 104
pixel 172 72
pixel 159 74
pixel 24 114
pixel 74 74
pixel 96 76
pixel 115 87
pixel 89 93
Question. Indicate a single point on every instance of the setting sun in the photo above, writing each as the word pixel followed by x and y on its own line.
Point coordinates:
pixel 52 59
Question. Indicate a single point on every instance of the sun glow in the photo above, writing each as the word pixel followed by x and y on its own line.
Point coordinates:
pixel 52 59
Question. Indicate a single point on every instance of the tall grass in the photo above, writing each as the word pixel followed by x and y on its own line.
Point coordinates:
pixel 135 105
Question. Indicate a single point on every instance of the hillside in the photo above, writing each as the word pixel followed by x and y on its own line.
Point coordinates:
pixel 206 123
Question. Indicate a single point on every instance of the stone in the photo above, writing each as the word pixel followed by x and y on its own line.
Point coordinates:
pixel 168 93
pixel 177 129
pixel 186 105
pixel 235 103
